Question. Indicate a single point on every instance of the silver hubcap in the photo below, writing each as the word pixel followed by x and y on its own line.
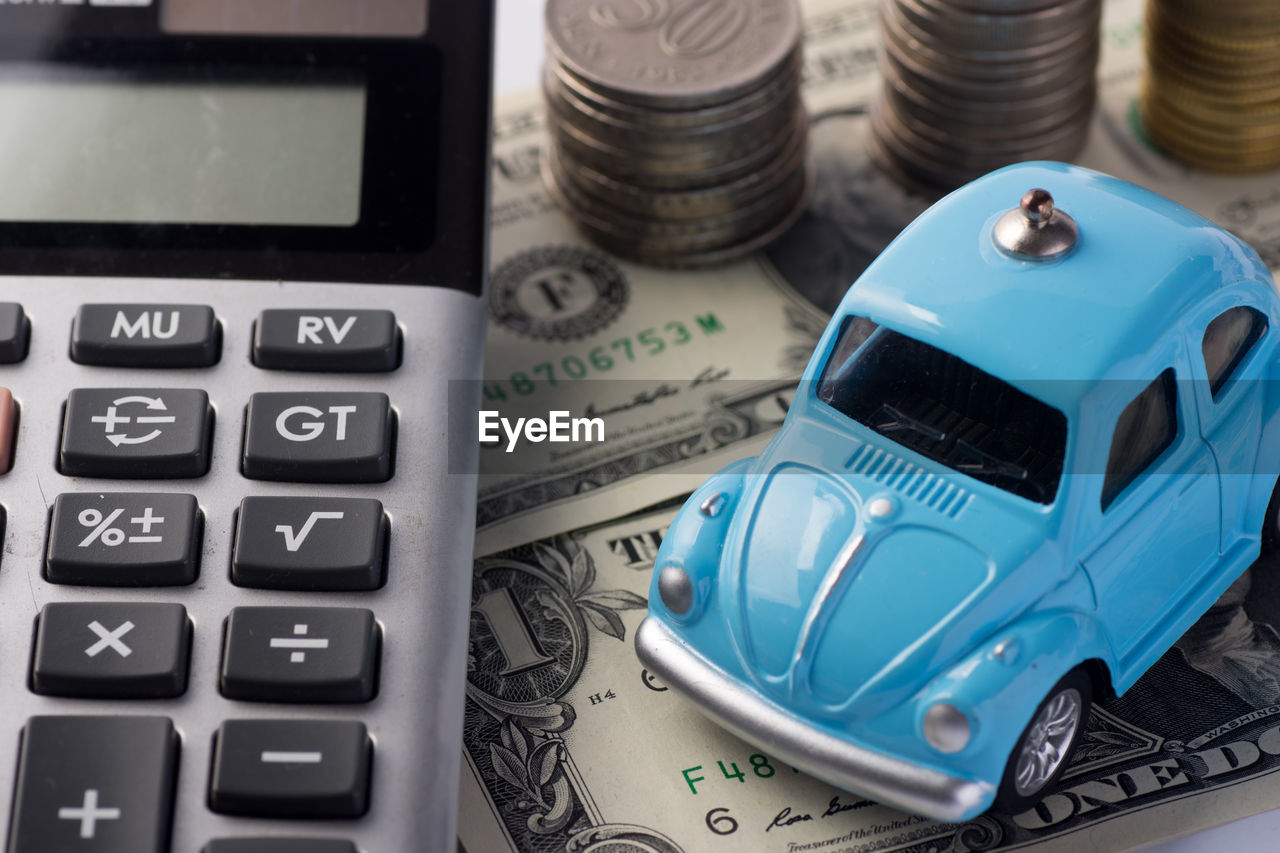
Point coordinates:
pixel 1047 741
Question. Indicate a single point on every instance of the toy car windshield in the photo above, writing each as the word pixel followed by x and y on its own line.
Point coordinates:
pixel 945 409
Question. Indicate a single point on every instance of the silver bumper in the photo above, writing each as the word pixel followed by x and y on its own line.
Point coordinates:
pixel 879 777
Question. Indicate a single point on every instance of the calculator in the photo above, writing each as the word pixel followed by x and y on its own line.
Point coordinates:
pixel 242 265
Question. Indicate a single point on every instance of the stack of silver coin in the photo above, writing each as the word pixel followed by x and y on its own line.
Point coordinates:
pixel 972 85
pixel 678 137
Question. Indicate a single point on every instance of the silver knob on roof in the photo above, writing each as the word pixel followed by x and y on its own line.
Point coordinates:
pixel 1035 230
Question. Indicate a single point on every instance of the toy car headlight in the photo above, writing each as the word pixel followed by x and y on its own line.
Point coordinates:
pixel 676 589
pixel 947 728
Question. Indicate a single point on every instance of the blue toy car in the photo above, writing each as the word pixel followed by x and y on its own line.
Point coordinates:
pixel 1028 453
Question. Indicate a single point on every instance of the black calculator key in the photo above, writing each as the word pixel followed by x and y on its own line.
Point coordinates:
pixel 146 336
pixel 8 429
pixel 325 339
pixel 319 437
pixel 94 784
pixel 136 433
pixel 310 544
pixel 112 650
pixel 124 539
pixel 279 845
pixel 300 654
pixel 291 768
pixel 15 333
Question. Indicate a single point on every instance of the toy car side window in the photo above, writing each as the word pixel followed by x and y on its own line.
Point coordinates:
pixel 854 331
pixel 1147 426
pixel 1226 342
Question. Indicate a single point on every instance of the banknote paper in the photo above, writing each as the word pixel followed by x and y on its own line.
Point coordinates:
pixel 574 328
pixel 571 746
pixel 682 367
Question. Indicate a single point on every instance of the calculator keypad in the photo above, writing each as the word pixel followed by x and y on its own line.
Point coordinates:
pixel 310 544
pixel 319 437
pixel 124 539
pixel 100 784
pixel 291 768
pixel 165 336
pixel 135 650
pixel 136 433
pixel 300 654
pixel 109 781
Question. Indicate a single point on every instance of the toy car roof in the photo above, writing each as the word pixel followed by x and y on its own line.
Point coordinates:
pixel 1053 328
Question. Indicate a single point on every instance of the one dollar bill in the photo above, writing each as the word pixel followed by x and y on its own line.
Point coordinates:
pixel 571 746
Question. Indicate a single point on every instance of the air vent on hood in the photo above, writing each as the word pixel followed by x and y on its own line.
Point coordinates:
pixel 909 479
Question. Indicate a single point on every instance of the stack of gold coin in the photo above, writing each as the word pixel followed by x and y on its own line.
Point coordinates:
pixel 678 137
pixel 973 85
pixel 1211 96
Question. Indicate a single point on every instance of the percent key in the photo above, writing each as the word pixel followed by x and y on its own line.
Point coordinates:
pixel 124 539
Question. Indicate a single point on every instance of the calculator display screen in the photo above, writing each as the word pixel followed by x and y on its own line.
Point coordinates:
pixel 297 17
pixel 267 140
pixel 104 146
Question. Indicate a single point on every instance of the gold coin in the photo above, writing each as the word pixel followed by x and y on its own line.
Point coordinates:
pixel 1211 92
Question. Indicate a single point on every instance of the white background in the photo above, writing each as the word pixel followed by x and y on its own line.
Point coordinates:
pixel 519 59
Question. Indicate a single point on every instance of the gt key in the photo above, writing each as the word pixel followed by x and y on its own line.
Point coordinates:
pixel 319 437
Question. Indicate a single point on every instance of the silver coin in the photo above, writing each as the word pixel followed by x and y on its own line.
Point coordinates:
pixel 672 54
pixel 701 125
pixel 963 27
pixel 931 85
pixel 560 82
pixel 683 259
pixel 1013 114
pixel 652 245
pixel 724 137
pixel 985 60
pixel 686 204
pixel 690 235
pixel 972 85
pixel 691 166
pixel 979 129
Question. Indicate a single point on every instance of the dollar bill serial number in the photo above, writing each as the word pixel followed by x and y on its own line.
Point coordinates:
pixel 601 360
pixel 757 765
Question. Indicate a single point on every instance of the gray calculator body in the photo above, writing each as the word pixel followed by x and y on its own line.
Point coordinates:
pixel 408 240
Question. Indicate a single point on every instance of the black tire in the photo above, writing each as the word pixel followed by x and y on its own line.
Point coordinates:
pixel 1013 797
pixel 1271 524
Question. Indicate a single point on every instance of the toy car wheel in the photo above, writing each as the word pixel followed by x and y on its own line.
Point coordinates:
pixel 1271 523
pixel 1042 752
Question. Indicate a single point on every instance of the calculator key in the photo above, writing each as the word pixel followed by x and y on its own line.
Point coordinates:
pixel 136 433
pixel 8 429
pixel 310 544
pixel 124 539
pixel 319 437
pixel 279 845
pixel 291 768
pixel 94 784
pixel 324 339
pixel 112 651
pixel 15 333
pixel 146 336
pixel 300 654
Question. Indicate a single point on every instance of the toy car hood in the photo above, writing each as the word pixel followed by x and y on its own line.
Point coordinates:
pixel 843 590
